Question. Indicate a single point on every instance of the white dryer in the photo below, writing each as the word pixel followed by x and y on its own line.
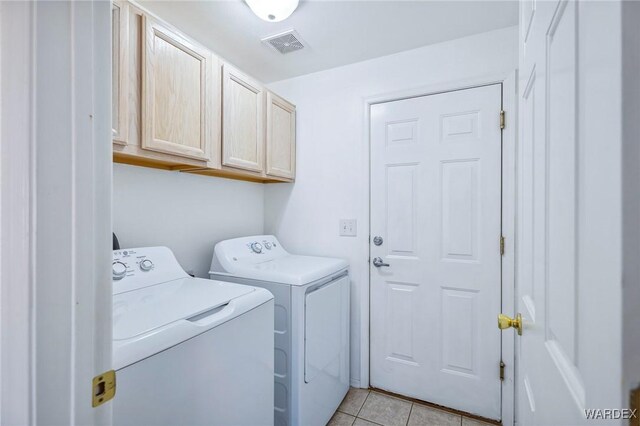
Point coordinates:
pixel 311 323
pixel 188 351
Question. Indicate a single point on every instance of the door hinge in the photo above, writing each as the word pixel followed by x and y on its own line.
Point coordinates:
pixel 103 388
pixel 502 120
pixel 501 370
pixel 501 245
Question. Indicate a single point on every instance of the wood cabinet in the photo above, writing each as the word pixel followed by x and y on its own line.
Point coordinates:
pixel 177 94
pixel 169 94
pixel 281 137
pixel 130 47
pixel 243 121
pixel 119 72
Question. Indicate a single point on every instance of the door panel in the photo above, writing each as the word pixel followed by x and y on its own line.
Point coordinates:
pixel 401 209
pixel 561 170
pixel 435 201
pixel 459 209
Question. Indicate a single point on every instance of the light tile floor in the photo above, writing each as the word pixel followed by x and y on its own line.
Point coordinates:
pixel 362 407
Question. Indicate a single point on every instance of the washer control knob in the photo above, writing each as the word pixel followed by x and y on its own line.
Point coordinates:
pixel 267 245
pixel 119 270
pixel 256 247
pixel 146 265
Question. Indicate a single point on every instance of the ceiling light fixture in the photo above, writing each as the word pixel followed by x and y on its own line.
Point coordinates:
pixel 273 10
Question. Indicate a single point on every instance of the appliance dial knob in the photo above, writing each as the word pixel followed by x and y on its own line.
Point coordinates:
pixel 119 270
pixel 267 245
pixel 256 247
pixel 146 265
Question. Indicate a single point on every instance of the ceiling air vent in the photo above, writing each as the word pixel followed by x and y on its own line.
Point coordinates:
pixel 286 42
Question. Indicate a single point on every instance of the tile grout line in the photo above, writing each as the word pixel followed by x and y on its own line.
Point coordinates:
pixel 338 410
pixel 369 421
pixel 379 424
pixel 363 402
pixel 411 411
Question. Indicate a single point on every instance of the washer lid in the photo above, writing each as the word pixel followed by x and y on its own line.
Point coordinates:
pixel 289 269
pixel 141 311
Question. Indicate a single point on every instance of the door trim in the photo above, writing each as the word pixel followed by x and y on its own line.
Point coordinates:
pixel 17 23
pixel 509 150
pixel 55 145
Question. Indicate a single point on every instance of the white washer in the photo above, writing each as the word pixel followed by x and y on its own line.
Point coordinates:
pixel 186 350
pixel 311 323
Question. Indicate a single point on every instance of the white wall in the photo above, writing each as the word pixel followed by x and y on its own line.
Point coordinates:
pixel 332 153
pixel 185 212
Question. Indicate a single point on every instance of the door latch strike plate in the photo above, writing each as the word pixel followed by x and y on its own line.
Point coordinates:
pixel 501 245
pixel 103 388
pixel 501 370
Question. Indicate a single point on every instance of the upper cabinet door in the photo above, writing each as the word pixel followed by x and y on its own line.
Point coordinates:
pixel 243 121
pixel 281 137
pixel 177 93
pixel 119 71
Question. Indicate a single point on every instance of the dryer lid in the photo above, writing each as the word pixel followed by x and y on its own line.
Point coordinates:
pixel 142 311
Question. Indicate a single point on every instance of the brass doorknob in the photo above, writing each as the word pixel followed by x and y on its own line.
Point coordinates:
pixel 505 322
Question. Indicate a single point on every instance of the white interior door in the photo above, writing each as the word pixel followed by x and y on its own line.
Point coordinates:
pixel 436 204
pixel 568 356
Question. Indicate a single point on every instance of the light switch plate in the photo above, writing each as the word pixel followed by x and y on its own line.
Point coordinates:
pixel 348 227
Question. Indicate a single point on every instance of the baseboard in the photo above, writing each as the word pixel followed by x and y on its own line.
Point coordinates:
pixel 355 383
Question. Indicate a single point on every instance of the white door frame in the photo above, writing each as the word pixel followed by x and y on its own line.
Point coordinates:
pixel 509 151
pixel 55 210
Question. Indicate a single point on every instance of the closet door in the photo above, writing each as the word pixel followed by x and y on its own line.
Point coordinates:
pixel 281 137
pixel 177 92
pixel 243 121
pixel 119 71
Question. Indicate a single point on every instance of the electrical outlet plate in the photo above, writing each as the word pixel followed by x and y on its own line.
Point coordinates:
pixel 348 227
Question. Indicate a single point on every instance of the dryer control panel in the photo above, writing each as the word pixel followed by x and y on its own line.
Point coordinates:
pixel 249 250
pixel 264 245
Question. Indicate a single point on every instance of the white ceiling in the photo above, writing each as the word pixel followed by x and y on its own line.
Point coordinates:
pixel 336 32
